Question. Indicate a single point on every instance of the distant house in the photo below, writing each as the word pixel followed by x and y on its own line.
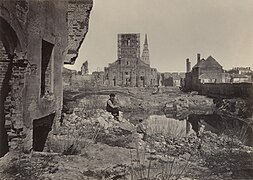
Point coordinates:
pixel 209 70
pixel 239 78
pixel 172 79
pixel 208 78
pixel 205 71
pixel 98 77
pixel 176 79
pixel 241 70
pixel 240 74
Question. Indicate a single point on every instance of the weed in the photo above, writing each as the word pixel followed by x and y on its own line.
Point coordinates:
pixel 235 133
pixel 80 139
pixel 154 167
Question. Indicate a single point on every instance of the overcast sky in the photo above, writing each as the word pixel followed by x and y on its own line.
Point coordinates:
pixel 177 29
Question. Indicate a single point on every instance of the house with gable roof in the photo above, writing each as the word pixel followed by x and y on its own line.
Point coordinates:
pixel 209 70
pixel 205 71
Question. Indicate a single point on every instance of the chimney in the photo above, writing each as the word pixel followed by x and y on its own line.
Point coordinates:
pixel 198 58
pixel 188 65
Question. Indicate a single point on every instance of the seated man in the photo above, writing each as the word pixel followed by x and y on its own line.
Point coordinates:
pixel 112 107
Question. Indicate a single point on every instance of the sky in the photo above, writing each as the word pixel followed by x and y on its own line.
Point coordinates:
pixel 176 29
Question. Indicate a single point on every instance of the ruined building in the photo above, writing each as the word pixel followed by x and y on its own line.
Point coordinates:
pixel 36 38
pixel 207 77
pixel 172 79
pixel 131 69
pixel 84 68
pixel 205 71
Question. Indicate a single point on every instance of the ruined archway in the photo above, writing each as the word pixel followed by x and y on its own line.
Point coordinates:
pixel 8 44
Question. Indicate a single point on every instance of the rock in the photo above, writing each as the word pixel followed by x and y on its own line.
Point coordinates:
pixel 194 93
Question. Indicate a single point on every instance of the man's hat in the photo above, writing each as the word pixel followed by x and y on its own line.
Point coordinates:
pixel 112 95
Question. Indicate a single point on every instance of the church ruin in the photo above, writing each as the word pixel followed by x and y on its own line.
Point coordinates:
pixel 131 69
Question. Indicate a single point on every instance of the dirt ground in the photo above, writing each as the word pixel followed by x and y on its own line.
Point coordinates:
pixel 91 145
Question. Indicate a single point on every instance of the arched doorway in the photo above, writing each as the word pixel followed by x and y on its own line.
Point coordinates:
pixel 8 44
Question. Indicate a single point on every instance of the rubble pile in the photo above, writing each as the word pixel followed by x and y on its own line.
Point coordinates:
pixel 174 146
pixel 181 107
pixel 116 137
pixel 208 143
pixel 81 128
pixel 236 107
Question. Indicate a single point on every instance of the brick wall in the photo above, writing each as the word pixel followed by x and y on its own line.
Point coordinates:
pixel 4 63
pixel 78 22
pixel 14 101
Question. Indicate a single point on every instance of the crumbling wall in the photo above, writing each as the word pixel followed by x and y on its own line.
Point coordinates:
pixel 36 38
pixel 14 100
pixel 78 23
pixel 4 71
pixel 84 68
pixel 81 81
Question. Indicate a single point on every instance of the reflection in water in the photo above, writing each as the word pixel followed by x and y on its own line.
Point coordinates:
pixel 160 124
pixel 135 115
pixel 157 123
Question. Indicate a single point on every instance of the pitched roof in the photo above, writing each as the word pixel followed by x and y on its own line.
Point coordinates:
pixel 199 63
pixel 209 62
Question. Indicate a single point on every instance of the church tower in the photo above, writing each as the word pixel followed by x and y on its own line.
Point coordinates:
pixel 145 52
